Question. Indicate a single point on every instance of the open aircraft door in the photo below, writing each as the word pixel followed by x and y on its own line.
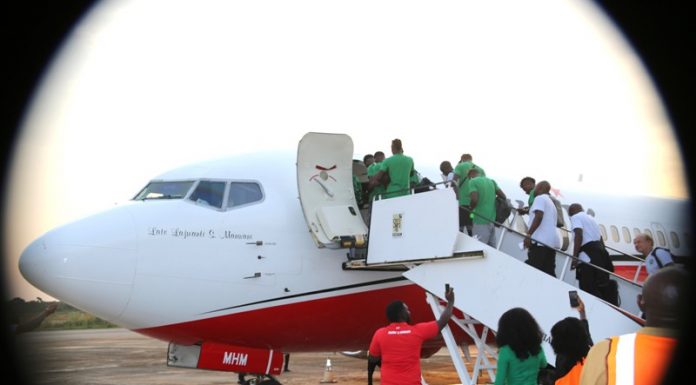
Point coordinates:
pixel 325 185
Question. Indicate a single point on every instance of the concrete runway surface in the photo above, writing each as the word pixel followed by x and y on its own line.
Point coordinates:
pixel 122 357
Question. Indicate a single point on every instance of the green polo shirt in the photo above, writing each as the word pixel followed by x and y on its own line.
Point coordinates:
pixel 399 167
pixel 484 212
pixel 462 172
pixel 372 171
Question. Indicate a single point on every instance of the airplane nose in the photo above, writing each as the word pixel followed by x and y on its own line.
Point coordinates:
pixel 89 263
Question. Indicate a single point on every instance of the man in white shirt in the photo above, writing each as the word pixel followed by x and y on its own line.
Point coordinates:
pixel 542 238
pixel 588 247
pixel 447 174
pixel 655 257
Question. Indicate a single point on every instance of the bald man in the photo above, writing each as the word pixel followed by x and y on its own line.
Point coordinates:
pixel 588 248
pixel 642 358
pixel 542 238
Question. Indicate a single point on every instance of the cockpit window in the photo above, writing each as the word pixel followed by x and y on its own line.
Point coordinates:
pixel 209 193
pixel 164 190
pixel 242 193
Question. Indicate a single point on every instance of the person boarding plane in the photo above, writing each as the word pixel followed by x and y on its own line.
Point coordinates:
pixel 224 262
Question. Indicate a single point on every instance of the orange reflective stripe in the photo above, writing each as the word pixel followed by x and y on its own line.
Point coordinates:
pixel 638 359
pixel 611 361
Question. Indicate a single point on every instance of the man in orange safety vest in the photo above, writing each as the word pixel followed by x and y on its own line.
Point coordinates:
pixel 643 358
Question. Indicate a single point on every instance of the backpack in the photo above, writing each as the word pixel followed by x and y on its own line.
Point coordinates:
pixel 423 186
pixel 560 221
pixel 659 262
pixel 502 210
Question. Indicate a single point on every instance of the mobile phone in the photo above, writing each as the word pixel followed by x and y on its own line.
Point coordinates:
pixel 447 288
pixel 573 295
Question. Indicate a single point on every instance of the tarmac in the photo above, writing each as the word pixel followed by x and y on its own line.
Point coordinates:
pixel 123 357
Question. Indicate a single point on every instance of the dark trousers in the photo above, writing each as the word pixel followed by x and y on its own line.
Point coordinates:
pixel 598 255
pixel 465 221
pixel 542 258
pixel 589 278
pixel 593 280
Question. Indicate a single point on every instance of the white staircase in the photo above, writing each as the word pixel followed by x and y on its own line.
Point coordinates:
pixel 411 232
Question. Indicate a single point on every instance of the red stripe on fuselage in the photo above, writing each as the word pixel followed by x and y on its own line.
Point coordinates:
pixel 628 271
pixel 338 323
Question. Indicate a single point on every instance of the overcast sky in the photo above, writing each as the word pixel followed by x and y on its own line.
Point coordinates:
pixel 546 88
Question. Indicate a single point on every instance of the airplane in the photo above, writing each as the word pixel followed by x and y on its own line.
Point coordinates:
pixel 237 261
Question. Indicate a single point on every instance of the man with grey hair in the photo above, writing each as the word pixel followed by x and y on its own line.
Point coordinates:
pixel 655 257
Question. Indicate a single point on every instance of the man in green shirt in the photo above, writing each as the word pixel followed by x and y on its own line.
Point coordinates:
pixel 467 158
pixel 372 171
pixel 368 160
pixel 461 179
pixel 399 169
pixel 482 194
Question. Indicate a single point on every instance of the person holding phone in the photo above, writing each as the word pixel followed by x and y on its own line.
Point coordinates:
pixel 397 346
pixel 571 340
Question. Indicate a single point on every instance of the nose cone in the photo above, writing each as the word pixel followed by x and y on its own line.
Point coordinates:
pixel 89 264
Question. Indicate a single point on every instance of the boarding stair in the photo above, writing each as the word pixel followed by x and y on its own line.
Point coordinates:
pixel 419 234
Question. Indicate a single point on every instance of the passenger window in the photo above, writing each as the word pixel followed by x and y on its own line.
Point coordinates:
pixel 615 234
pixel 647 231
pixel 164 190
pixel 242 193
pixel 626 234
pixel 661 238
pixel 675 240
pixel 209 193
pixel 603 230
pixel 636 232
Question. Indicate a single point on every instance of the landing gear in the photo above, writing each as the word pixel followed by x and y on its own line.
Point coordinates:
pixel 262 379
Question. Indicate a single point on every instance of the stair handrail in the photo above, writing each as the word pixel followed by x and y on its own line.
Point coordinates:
pixel 568 255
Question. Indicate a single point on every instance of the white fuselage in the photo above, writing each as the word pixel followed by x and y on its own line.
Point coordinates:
pixel 180 270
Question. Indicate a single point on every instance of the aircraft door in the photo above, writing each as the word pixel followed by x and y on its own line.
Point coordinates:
pixel 325 185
